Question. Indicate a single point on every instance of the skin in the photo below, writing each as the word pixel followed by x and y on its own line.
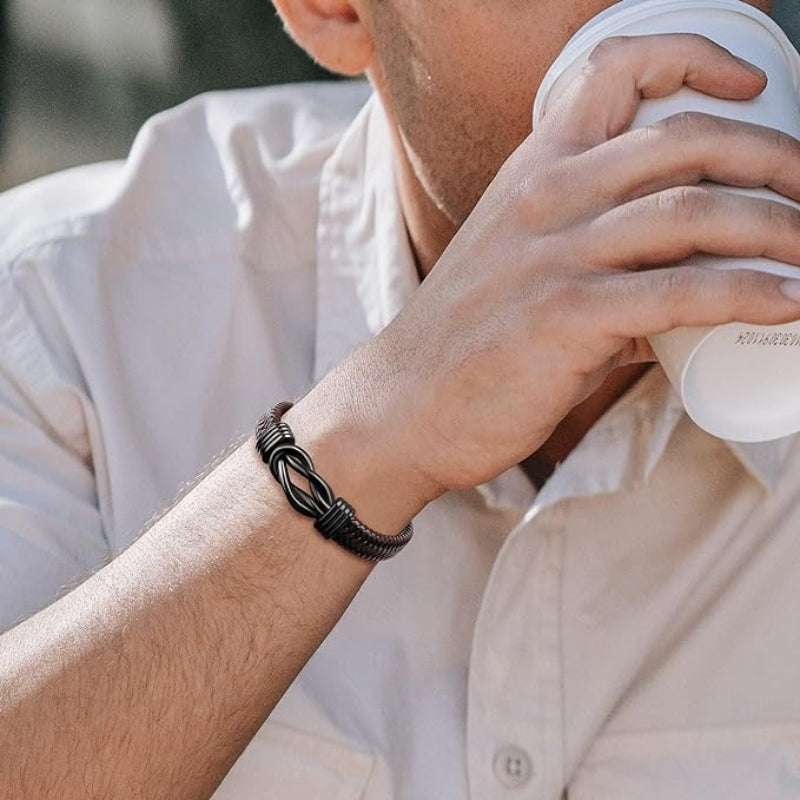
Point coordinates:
pixel 460 104
pixel 457 78
pixel 149 679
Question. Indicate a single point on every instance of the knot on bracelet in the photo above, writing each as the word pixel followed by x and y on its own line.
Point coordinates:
pixel 333 517
pixel 285 457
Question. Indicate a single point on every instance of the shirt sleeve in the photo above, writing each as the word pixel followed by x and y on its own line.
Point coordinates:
pixel 51 531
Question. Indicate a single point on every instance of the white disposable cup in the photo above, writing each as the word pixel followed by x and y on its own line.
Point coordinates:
pixel 739 382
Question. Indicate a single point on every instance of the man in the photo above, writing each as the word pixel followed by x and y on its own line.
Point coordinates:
pixel 627 631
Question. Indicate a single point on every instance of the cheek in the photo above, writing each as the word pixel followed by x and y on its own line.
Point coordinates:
pixel 461 79
pixel 463 103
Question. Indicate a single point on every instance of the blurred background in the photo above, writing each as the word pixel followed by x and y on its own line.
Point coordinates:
pixel 78 77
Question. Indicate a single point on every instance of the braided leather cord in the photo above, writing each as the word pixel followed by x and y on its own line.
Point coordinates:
pixel 333 517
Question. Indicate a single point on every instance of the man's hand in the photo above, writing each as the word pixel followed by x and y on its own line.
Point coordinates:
pixel 549 285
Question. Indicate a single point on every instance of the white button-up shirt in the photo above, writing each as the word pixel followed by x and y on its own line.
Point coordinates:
pixel 632 631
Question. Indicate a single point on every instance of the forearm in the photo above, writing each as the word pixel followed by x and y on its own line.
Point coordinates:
pixel 150 678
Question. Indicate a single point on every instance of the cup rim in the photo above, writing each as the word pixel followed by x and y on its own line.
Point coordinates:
pixel 625 12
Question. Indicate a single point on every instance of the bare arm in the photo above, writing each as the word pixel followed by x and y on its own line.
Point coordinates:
pixel 150 678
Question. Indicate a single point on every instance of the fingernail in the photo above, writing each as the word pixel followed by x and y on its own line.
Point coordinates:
pixel 751 67
pixel 791 288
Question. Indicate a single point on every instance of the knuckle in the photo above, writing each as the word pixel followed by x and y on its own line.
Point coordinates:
pixel 607 50
pixel 675 282
pixel 696 44
pixel 684 204
pixel 698 40
pixel 535 196
pixel 687 125
pixel 571 296
pixel 676 127
pixel 650 136
pixel 683 288
pixel 541 177
pixel 615 47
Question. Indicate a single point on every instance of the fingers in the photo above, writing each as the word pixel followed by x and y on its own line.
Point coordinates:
pixel 622 71
pixel 684 150
pixel 641 304
pixel 672 225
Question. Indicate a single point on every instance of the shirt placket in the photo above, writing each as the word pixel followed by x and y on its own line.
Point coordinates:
pixel 515 729
pixel 514 716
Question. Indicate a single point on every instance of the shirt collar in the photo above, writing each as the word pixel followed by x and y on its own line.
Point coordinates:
pixel 366 273
pixel 762 460
pixel 623 448
pixel 365 268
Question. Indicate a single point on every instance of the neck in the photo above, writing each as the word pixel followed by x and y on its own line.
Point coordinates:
pixel 429 228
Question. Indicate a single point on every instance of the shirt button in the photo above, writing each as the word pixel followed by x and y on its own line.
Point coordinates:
pixel 512 766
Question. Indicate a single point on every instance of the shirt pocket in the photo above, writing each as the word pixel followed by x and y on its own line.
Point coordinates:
pixel 731 763
pixel 283 763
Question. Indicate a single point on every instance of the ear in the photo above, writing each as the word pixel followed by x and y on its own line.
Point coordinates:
pixel 335 33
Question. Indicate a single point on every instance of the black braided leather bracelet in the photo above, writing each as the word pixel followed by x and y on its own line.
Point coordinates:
pixel 334 518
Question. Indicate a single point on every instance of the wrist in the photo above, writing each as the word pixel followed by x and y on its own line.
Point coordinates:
pixel 363 465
